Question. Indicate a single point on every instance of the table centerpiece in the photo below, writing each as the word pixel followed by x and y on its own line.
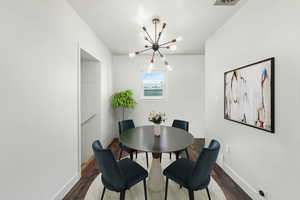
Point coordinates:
pixel 157 119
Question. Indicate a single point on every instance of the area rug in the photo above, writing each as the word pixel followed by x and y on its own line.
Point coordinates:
pixel 137 191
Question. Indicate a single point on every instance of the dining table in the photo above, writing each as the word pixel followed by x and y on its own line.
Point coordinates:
pixel 143 139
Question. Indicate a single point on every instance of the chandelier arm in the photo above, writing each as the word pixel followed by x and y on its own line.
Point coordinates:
pixel 142 51
pixel 164 60
pixel 153 55
pixel 160 33
pixel 161 55
pixel 172 41
pixel 155 33
pixel 148 35
pixel 148 41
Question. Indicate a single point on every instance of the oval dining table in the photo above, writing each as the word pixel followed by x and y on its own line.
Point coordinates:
pixel 143 139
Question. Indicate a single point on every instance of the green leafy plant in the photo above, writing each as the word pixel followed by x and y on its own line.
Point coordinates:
pixel 123 99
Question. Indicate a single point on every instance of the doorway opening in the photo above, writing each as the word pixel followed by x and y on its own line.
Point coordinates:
pixel 90 105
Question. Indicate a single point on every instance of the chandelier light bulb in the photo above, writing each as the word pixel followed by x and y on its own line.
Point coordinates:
pixel 131 55
pixel 173 47
pixel 179 39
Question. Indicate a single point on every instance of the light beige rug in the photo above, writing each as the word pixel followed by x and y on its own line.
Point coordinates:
pixel 137 192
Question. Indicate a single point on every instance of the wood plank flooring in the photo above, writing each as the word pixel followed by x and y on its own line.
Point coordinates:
pixel 231 190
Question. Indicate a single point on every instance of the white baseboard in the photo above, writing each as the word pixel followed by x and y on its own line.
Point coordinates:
pixel 66 188
pixel 239 180
pixel 70 184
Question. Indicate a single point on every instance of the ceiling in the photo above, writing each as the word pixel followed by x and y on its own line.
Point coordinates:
pixel 118 22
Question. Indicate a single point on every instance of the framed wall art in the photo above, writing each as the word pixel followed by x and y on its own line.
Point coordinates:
pixel 249 95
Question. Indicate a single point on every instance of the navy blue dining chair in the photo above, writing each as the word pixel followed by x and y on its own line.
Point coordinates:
pixel 124 126
pixel 193 175
pixel 118 176
pixel 185 126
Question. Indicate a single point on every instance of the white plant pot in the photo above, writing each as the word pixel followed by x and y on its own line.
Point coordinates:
pixel 157 129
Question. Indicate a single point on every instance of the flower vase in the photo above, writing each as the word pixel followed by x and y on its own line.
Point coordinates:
pixel 157 129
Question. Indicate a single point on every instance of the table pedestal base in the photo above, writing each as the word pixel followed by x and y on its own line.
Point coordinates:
pixel 156 180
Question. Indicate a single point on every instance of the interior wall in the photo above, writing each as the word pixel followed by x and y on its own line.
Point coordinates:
pixel 258 159
pixel 185 89
pixel 39 63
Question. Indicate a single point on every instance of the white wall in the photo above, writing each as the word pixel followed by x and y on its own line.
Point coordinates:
pixel 39 96
pixel 185 89
pixel 261 29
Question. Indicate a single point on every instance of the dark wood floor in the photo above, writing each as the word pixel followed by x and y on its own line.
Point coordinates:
pixel 231 190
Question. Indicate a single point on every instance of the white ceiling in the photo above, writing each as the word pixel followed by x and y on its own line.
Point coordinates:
pixel 118 22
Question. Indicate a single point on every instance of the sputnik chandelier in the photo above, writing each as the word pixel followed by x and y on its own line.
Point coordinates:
pixel 155 45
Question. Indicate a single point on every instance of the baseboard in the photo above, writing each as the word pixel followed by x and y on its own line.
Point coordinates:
pixel 71 183
pixel 239 180
pixel 66 188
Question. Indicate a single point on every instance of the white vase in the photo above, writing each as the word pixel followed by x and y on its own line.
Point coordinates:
pixel 157 129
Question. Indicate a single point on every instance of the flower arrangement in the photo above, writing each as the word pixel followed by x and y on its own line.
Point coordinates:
pixel 157 118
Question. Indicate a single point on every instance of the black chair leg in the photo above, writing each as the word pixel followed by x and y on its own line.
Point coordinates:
pixel 166 189
pixel 131 156
pixel 160 157
pixel 170 156
pixel 145 189
pixel 136 154
pixel 208 193
pixel 147 160
pixel 103 193
pixel 120 155
pixel 191 195
pixel 177 155
pixel 187 153
pixel 122 195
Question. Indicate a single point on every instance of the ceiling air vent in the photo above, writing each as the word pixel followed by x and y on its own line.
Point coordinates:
pixel 225 2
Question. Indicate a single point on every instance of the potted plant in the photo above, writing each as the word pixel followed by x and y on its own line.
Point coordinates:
pixel 124 100
pixel 157 119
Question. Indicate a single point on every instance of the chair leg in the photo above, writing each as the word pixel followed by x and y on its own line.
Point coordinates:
pixel 170 156
pixel 131 156
pixel 136 154
pixel 177 155
pixel 191 195
pixel 208 193
pixel 187 153
pixel 147 160
pixel 122 195
pixel 160 157
pixel 120 155
pixel 103 193
pixel 166 189
pixel 145 189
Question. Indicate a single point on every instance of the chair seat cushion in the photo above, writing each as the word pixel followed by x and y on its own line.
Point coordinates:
pixel 179 171
pixel 132 172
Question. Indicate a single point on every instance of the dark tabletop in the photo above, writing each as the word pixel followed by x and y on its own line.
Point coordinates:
pixel 143 139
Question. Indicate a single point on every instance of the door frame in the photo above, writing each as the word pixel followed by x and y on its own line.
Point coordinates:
pixel 78 136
